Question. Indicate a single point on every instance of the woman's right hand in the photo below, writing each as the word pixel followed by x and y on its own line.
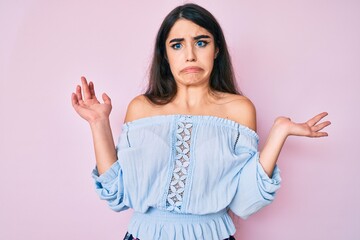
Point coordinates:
pixel 88 106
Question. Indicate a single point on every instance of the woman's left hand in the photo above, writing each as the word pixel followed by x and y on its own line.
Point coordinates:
pixel 311 128
pixel 284 127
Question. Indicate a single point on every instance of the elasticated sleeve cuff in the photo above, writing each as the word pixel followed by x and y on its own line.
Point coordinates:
pixel 107 176
pixel 109 186
pixel 268 186
pixel 255 188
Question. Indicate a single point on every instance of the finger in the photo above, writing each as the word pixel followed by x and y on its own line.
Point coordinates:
pixel 78 94
pixel 316 119
pixel 74 101
pixel 321 126
pixel 319 134
pixel 106 99
pixel 92 89
pixel 86 89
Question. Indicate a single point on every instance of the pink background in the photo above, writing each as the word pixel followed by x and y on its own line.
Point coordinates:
pixel 293 58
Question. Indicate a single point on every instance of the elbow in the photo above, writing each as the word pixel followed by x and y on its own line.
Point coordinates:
pixel 115 200
pixel 117 205
pixel 245 211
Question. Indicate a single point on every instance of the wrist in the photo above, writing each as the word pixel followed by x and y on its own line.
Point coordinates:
pixel 99 123
pixel 282 126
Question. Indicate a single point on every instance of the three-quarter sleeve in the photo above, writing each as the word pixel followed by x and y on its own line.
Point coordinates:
pixel 255 188
pixel 109 186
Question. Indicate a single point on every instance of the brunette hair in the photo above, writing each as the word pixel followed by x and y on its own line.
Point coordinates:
pixel 162 86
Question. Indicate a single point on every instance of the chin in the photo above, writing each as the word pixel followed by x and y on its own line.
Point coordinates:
pixel 193 82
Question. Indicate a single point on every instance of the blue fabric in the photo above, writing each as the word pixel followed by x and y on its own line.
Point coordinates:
pixel 184 167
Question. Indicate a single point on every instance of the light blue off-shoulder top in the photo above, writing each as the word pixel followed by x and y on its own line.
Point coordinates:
pixel 181 173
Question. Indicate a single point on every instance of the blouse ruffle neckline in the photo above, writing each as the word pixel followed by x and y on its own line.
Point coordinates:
pixel 156 119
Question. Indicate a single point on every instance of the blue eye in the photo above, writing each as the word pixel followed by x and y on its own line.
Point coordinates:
pixel 176 46
pixel 201 43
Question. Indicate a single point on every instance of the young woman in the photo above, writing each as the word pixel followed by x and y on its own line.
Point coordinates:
pixel 188 151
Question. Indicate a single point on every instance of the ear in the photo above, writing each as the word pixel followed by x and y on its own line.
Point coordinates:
pixel 216 53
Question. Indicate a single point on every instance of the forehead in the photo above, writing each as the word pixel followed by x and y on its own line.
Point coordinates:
pixel 186 29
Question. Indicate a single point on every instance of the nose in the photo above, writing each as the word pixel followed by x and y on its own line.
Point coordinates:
pixel 190 55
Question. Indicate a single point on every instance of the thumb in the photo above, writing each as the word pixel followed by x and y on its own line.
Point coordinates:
pixel 106 99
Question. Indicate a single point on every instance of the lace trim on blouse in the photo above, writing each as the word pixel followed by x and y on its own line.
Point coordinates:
pixel 182 162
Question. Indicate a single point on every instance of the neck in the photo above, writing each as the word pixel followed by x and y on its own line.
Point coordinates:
pixel 193 98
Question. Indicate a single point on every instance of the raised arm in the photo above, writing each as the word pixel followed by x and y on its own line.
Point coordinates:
pixel 96 114
pixel 284 127
pixel 243 111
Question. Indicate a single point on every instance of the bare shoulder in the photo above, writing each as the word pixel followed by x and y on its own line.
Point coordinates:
pixel 138 107
pixel 241 110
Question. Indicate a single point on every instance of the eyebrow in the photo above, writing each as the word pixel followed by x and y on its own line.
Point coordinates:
pixel 195 38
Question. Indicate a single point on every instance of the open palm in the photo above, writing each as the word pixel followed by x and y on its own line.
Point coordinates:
pixel 311 128
pixel 87 105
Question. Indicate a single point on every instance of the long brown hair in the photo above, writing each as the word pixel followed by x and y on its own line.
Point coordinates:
pixel 162 86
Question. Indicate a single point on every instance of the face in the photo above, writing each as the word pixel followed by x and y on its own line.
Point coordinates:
pixel 190 51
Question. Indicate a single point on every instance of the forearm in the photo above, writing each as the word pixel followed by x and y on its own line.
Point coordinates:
pixel 104 146
pixel 274 143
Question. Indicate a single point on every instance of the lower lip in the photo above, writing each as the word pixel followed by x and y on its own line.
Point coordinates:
pixel 192 70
